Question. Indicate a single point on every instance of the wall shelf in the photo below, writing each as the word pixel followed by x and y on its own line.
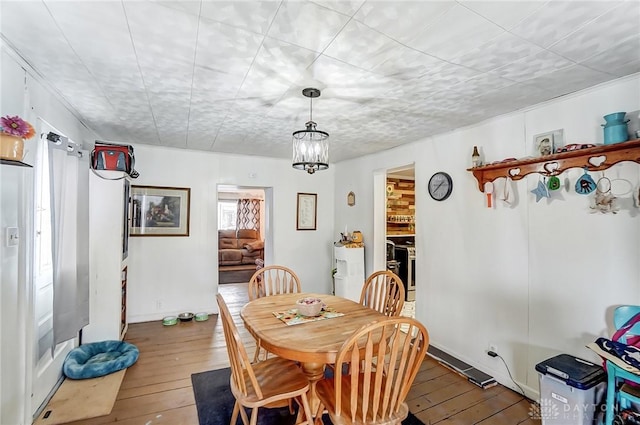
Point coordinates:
pixel 12 162
pixel 593 159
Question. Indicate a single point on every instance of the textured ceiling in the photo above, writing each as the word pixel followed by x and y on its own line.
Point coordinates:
pixel 227 76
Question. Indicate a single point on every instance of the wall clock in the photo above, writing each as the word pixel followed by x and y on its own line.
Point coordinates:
pixel 440 186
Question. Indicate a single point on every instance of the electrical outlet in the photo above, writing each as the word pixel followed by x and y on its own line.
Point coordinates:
pixel 493 347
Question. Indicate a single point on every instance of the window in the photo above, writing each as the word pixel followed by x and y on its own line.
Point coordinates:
pixel 227 215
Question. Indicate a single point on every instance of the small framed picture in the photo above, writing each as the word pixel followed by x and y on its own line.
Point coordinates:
pixel 306 211
pixel 351 199
pixel 544 144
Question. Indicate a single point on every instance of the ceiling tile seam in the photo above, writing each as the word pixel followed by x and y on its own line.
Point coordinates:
pixel 34 73
pixel 452 88
pixel 601 71
pixel 334 39
pixel 144 83
pixel 450 62
pixel 226 24
pixel 253 61
pixel 581 62
pixel 79 59
pixel 337 11
pixel 584 25
pixel 522 38
pixel 193 73
pixel 507 30
pixel 563 38
pixel 524 18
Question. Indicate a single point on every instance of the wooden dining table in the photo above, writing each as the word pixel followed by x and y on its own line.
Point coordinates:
pixel 313 344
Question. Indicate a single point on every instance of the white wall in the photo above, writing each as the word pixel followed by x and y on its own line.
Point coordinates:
pixel 169 275
pixel 535 279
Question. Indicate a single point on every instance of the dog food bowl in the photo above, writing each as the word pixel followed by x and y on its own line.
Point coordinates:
pixel 169 320
pixel 201 317
pixel 185 317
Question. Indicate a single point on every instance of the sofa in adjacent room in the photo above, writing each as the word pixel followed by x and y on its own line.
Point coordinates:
pixel 239 247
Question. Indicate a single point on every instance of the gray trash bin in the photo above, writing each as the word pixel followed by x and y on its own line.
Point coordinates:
pixel 570 390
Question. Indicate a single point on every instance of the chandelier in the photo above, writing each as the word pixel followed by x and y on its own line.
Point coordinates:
pixel 310 146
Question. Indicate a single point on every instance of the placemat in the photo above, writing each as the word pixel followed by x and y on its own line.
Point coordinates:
pixel 291 317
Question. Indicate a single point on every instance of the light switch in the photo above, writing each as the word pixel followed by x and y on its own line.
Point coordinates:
pixel 12 236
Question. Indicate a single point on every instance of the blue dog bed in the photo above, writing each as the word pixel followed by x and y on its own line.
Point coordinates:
pixel 99 359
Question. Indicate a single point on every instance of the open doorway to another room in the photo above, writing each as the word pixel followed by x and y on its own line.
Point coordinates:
pixel 400 230
pixel 242 227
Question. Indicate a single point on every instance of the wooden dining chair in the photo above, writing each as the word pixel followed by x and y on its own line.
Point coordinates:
pixel 264 384
pixel 273 280
pixel 383 291
pixel 383 363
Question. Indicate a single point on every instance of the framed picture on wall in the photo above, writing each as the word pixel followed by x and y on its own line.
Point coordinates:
pixel 159 211
pixel 306 211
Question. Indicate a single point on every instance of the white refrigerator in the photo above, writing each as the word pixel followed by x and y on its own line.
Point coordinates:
pixel 349 277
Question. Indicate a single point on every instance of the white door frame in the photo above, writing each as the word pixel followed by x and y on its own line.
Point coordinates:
pixel 267 221
pixel 379 220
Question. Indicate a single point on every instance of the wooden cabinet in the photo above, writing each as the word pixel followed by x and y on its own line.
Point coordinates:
pixel 400 207
pixel 108 221
pixel 593 159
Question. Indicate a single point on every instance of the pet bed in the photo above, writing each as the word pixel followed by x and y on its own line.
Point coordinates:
pixel 99 359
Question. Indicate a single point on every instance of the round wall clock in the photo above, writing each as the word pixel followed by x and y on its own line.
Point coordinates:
pixel 440 186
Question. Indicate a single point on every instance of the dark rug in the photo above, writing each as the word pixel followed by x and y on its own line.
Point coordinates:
pixel 235 276
pixel 214 402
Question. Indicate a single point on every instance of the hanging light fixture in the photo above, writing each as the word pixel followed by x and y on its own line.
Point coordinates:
pixel 310 146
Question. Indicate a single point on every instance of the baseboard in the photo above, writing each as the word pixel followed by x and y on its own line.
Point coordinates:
pixel 501 378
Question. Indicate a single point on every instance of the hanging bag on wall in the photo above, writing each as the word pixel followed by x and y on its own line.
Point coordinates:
pixel 114 157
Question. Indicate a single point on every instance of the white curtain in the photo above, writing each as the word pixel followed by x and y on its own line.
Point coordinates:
pixel 69 177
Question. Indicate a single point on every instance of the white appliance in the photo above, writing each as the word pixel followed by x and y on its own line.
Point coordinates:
pixel 349 276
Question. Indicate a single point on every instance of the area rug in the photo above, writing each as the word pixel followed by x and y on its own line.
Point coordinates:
pixel 214 402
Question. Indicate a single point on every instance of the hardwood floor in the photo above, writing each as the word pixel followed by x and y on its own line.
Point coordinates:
pixel 157 389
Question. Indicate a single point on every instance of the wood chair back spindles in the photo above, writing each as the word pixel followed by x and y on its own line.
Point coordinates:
pixel 271 382
pixel 273 280
pixel 383 363
pixel 383 291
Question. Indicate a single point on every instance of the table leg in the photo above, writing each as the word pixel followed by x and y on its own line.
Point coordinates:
pixel 314 372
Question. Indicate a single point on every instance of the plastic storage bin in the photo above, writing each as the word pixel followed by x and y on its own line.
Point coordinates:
pixel 570 390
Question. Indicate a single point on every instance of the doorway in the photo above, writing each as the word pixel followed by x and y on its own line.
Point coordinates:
pixel 243 231
pixel 400 230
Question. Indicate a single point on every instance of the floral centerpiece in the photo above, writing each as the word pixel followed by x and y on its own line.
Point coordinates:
pixel 13 131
